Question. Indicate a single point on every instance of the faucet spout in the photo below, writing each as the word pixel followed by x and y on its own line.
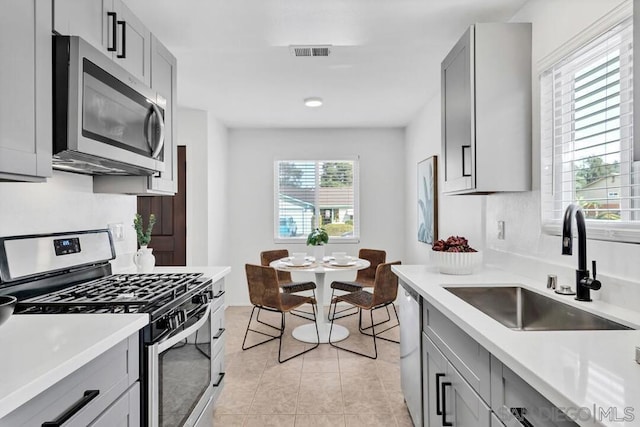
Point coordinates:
pixel 567 234
pixel 583 282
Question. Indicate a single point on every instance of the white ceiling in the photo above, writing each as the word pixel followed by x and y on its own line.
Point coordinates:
pixel 233 56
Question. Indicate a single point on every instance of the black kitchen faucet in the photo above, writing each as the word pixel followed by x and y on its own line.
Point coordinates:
pixel 583 282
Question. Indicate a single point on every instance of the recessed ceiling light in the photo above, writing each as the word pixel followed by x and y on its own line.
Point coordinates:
pixel 313 102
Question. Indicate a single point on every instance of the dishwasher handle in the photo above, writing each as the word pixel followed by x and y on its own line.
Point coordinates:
pixel 409 292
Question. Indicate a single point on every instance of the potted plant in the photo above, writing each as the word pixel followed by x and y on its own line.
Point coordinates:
pixel 317 238
pixel 144 259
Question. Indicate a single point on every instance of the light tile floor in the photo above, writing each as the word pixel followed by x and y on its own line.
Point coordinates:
pixel 325 387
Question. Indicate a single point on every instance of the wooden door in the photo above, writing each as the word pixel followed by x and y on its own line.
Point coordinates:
pixel 169 236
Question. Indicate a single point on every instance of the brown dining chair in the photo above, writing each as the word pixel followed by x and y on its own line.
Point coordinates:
pixel 264 293
pixel 285 282
pixel 364 277
pixel 385 291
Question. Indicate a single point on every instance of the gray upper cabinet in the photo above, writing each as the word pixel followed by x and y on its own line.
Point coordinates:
pixel 163 81
pixel 486 110
pixel 111 26
pixel 25 85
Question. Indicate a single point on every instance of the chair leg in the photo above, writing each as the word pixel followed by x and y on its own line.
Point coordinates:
pixel 375 346
pixel 315 321
pixel 333 292
pixel 379 323
pixel 264 323
pixel 362 330
pixel 302 313
pixel 271 337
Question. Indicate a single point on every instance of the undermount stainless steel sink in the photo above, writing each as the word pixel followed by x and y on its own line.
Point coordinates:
pixel 524 310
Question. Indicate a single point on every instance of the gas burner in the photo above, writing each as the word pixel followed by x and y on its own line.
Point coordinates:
pixel 118 293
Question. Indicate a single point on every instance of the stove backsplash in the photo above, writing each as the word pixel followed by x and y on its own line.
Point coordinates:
pixel 66 202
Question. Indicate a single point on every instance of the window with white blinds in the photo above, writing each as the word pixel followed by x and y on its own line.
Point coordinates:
pixel 316 193
pixel 587 137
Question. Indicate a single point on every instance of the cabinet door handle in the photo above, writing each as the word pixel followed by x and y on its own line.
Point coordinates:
pixel 464 163
pixel 438 410
pixel 88 396
pixel 217 383
pixel 444 405
pixel 219 294
pixel 519 414
pixel 219 334
pixel 123 24
pixel 114 17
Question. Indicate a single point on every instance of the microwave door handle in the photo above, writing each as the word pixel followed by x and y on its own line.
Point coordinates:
pixel 160 143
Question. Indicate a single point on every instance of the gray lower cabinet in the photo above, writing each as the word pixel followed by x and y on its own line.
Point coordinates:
pixel 516 403
pixel 104 392
pixel 465 385
pixel 26 88
pixel 449 399
pixel 124 412
pixel 495 421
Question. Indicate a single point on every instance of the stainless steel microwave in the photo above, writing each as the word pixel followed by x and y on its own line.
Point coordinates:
pixel 105 121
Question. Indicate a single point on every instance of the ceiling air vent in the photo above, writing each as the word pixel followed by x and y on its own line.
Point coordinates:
pixel 310 50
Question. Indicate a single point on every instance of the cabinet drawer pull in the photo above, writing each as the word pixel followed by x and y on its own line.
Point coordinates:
pixel 217 384
pixel 114 29
pixel 219 294
pixel 519 414
pixel 444 405
pixel 438 410
pixel 123 24
pixel 464 162
pixel 88 396
pixel 219 334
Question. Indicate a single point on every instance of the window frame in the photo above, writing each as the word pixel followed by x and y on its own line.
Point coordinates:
pixel 302 239
pixel 623 231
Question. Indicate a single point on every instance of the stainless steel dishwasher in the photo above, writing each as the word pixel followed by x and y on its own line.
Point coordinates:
pixel 410 354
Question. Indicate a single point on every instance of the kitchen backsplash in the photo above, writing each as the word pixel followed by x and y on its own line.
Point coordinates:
pixel 66 202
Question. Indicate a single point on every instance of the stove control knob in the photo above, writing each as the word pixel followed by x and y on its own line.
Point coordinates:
pixel 200 299
pixel 162 323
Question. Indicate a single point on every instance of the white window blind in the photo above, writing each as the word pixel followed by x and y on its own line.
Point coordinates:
pixel 587 137
pixel 316 193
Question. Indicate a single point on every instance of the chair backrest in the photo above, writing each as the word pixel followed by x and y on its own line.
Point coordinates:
pixel 263 286
pixel 376 257
pixel 385 286
pixel 267 257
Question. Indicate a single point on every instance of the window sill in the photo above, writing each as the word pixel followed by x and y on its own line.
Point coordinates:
pixel 618 232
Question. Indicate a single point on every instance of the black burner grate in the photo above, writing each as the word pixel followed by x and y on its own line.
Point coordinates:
pixel 118 293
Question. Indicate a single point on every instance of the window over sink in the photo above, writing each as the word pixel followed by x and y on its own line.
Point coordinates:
pixel 316 193
pixel 586 103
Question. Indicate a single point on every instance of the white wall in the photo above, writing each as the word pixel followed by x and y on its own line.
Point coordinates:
pixel 251 191
pixel 525 248
pixel 206 145
pixel 65 203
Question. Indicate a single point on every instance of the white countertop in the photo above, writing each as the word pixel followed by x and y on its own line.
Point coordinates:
pixel 572 369
pixel 38 350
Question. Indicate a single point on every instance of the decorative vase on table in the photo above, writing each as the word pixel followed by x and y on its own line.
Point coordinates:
pixel 144 259
pixel 318 253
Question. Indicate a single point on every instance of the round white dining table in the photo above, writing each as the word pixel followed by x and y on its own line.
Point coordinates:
pixel 307 333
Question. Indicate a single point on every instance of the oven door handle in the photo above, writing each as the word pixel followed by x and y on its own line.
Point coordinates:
pixel 172 340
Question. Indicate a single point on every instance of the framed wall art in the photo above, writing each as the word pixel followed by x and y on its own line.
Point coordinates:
pixel 428 200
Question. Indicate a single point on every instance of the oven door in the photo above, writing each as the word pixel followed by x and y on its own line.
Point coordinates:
pixel 180 373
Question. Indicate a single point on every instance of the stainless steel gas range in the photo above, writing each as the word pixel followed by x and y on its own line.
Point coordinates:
pixel 180 353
